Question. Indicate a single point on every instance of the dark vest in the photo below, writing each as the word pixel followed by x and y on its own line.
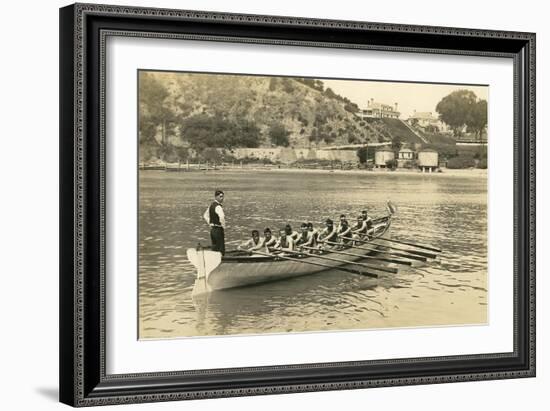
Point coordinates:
pixel 303 238
pixel 214 217
pixel 284 243
pixel 315 235
pixel 334 237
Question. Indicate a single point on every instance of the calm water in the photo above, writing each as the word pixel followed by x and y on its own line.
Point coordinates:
pixel 447 211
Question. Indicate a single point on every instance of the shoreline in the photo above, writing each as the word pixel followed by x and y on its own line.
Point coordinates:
pixel 475 172
pixel 446 172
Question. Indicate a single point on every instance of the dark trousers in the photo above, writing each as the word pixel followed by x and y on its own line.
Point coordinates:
pixel 218 239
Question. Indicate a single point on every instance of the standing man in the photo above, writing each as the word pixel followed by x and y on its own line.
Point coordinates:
pixel 215 218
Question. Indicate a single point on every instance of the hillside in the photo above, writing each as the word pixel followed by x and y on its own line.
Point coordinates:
pixel 437 138
pixel 398 129
pixel 180 110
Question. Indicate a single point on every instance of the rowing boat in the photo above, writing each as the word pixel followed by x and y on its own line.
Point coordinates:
pixel 238 269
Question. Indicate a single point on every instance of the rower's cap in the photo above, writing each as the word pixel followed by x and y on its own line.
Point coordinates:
pixel 255 232
pixel 267 230
pixel 329 221
pixel 310 225
pixel 218 192
pixel 304 225
pixel 342 216
pixel 288 226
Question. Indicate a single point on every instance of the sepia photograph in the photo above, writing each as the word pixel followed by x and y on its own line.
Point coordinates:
pixel 275 204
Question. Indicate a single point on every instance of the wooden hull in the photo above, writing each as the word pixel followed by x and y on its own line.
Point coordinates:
pixel 215 273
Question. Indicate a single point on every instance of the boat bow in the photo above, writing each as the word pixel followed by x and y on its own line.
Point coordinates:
pixel 205 261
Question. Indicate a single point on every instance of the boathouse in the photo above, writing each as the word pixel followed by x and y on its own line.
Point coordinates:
pixel 382 156
pixel 428 160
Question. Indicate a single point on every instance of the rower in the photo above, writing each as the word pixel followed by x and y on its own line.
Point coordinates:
pixel 360 229
pixel 269 242
pixel 342 218
pixel 344 231
pixel 366 217
pixel 328 234
pixel 253 243
pixel 314 233
pixel 291 233
pixel 306 237
pixel 285 243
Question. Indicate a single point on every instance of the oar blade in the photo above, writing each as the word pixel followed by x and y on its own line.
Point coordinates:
pixel 405 250
pixel 393 261
pixel 428 247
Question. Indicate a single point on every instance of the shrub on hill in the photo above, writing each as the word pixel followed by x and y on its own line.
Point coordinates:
pixel 461 162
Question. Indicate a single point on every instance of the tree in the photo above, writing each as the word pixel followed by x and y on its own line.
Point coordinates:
pixel 352 139
pixel 247 134
pixel 202 131
pixel 272 83
pixel 396 144
pixel 278 135
pixel 318 85
pixel 351 107
pixel 314 136
pixel 456 108
pixel 477 119
pixel 330 94
pixel 288 87
pixel 154 108
pixel 362 154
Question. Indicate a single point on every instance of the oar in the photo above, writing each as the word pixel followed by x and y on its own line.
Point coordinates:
pixel 388 260
pixel 324 257
pixel 347 270
pixel 406 250
pixel 422 253
pixel 392 254
pixel 423 246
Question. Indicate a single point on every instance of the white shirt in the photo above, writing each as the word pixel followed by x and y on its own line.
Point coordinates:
pixel 219 211
pixel 290 242
pixel 251 245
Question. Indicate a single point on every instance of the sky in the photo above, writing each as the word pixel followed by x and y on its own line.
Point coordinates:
pixel 408 96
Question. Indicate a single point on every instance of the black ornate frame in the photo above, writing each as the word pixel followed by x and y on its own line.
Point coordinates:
pixel 83 30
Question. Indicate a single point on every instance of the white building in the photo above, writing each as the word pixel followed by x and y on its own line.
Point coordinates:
pixel 382 156
pixel 425 119
pixel 375 109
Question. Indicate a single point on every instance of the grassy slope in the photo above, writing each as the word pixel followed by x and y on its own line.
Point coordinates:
pixel 398 129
